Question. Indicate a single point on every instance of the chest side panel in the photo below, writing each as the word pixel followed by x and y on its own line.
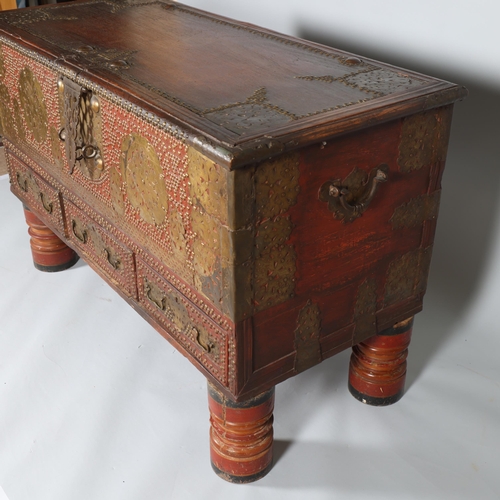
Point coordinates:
pixel 340 270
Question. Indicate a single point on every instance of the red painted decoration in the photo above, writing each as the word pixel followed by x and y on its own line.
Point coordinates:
pixel 49 252
pixel 241 436
pixel 377 369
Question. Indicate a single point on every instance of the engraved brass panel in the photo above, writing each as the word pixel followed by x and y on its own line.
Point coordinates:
pixel 21 133
pixel 7 127
pixel 55 147
pixel 2 62
pixel 145 184
pixel 424 267
pixel 33 104
pixel 207 185
pixel 116 191
pixel 277 185
pixel 82 128
pixel 416 211
pixel 178 235
pixel 424 140
pixel 70 99
pixel 307 345
pixel 274 276
pixel 90 125
pixel 276 190
pixel 206 244
pixel 407 275
pixel 22 182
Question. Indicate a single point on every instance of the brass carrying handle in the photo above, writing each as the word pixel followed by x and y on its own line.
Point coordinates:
pixel 49 206
pixel 113 260
pixel 337 195
pixel 81 235
pixel 358 208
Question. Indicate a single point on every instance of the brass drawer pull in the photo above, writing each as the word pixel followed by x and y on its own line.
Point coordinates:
pixel 23 182
pixel 80 234
pixel 350 198
pixel 160 303
pixel 203 340
pixel 113 260
pixel 49 206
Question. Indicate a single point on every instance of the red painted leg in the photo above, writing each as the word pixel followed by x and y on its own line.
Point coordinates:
pixel 377 369
pixel 241 436
pixel 50 254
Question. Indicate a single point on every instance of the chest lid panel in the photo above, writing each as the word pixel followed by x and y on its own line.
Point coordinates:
pixel 238 86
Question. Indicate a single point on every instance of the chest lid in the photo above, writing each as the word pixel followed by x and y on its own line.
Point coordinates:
pixel 241 93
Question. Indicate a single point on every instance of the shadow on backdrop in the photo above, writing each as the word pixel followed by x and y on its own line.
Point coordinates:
pixel 469 204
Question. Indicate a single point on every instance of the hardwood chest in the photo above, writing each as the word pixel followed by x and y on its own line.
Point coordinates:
pixel 264 202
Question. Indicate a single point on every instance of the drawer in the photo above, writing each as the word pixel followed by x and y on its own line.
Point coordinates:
pixel 186 324
pixel 38 195
pixel 101 249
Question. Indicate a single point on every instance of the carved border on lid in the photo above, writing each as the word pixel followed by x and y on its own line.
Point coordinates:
pixel 119 63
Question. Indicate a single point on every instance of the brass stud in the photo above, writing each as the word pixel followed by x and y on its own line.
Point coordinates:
pixel 99 163
pixel 94 104
pixel 60 84
pixel 352 61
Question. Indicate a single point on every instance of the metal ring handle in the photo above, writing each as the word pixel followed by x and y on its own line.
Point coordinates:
pixel 89 151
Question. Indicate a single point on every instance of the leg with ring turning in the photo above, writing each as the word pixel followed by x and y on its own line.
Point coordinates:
pixel 241 436
pixel 377 368
pixel 50 254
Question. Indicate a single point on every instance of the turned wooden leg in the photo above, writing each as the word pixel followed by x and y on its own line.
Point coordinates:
pixel 50 254
pixel 241 436
pixel 377 369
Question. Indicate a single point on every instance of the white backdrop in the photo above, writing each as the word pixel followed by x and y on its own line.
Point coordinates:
pixel 95 405
pixel 452 34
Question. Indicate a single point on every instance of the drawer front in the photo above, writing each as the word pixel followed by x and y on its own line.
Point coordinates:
pixel 113 258
pixel 183 322
pixel 37 194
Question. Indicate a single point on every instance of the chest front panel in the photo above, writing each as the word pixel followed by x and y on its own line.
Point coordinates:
pixel 120 188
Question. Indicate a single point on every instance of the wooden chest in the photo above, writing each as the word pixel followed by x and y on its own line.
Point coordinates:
pixel 264 202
